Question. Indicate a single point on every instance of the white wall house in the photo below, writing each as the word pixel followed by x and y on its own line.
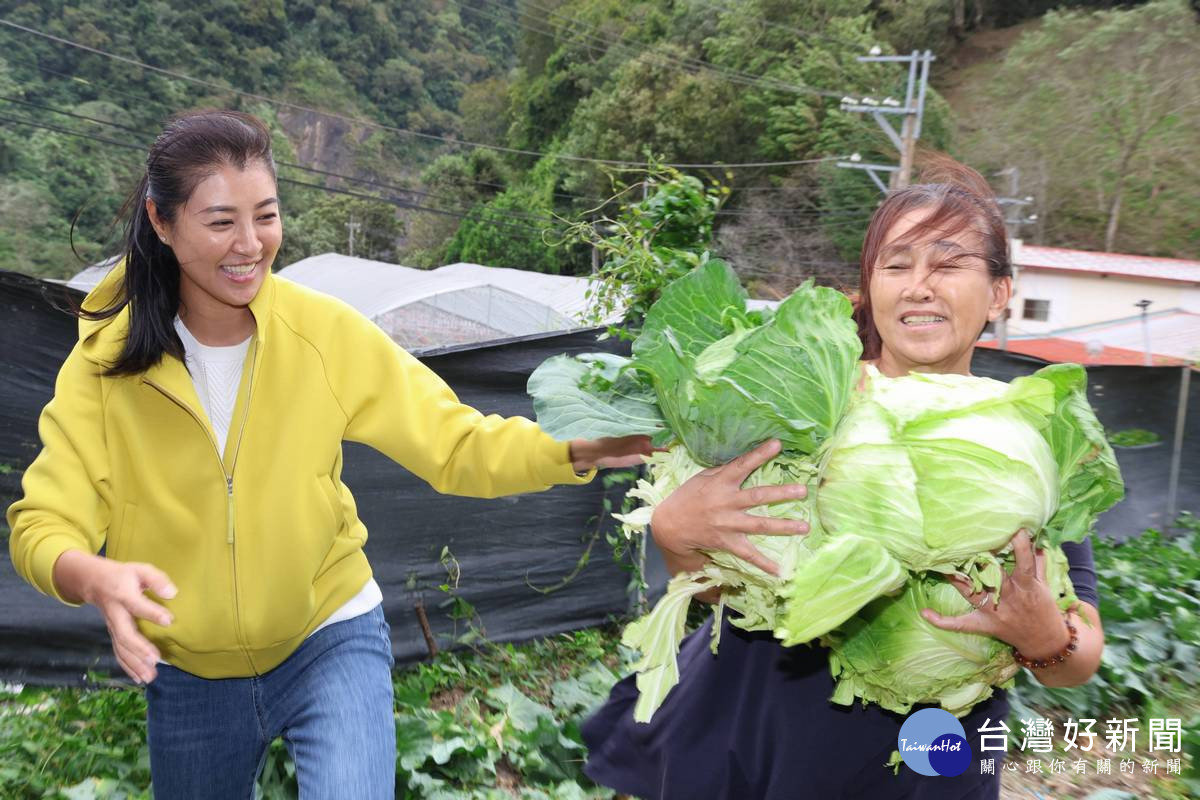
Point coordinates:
pixel 1057 288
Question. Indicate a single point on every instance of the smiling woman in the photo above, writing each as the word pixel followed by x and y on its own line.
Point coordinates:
pixel 195 435
pixel 225 238
pixel 750 718
pixel 935 270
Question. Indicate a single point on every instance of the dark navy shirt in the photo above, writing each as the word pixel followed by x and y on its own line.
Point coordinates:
pixel 755 721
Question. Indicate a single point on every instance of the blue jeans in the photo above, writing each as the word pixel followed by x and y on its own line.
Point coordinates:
pixel 331 701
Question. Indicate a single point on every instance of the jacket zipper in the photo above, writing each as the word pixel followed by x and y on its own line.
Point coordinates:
pixel 237 448
pixel 229 515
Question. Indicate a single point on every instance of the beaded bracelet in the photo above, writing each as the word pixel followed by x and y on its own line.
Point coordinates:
pixel 1060 657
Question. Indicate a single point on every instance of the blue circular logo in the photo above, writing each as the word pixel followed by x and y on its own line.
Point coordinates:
pixel 932 742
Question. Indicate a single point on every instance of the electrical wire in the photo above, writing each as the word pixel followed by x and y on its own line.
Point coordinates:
pixel 420 193
pixel 391 128
pixel 477 217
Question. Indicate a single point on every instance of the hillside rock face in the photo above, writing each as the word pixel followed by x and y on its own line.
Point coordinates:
pixel 322 141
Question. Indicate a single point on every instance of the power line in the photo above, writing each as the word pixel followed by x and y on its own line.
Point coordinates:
pixel 67 131
pixel 391 128
pixel 690 65
pixel 141 98
pixel 391 200
pixel 75 78
pixel 469 183
pixel 796 211
pixel 31 104
pixel 719 6
pixel 476 216
pixel 815 227
pixel 803 34
pixel 396 201
pixel 288 164
pixel 511 214
pixel 409 204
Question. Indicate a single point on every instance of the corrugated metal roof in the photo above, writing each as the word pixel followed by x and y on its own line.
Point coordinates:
pixel 1058 350
pixel 1174 338
pixel 1173 333
pixel 1029 256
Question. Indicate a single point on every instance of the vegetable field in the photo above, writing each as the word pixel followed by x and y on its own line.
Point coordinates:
pixel 502 721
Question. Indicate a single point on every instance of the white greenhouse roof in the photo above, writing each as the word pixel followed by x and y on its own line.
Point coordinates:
pixel 375 287
pixel 451 305
pixel 87 278
pixel 455 304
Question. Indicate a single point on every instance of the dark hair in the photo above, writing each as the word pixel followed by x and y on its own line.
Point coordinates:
pixel 960 199
pixel 191 147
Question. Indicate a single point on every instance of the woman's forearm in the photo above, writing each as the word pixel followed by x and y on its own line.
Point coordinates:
pixel 689 562
pixel 680 562
pixel 1085 659
pixel 72 572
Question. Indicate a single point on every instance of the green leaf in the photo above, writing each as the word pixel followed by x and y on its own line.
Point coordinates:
pixel 1089 478
pixel 692 313
pixel 441 751
pixel 726 382
pixel 523 713
pixel 583 692
pixel 657 637
pixel 837 579
pixel 592 396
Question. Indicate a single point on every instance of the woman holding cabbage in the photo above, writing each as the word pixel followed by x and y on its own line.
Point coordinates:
pixel 754 720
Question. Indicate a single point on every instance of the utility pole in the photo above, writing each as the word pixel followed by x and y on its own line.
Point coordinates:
pixel 1185 376
pixel 352 227
pixel 913 111
pixel 1013 204
pixel 1143 305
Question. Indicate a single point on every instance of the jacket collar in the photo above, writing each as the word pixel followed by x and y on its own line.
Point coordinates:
pixel 102 340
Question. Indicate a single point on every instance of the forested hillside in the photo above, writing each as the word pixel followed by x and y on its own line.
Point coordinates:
pixel 474 130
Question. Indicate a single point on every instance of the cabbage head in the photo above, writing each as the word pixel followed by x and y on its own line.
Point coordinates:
pixel 910 479
pixel 889 654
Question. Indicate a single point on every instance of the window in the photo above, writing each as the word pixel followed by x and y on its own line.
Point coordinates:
pixel 1038 310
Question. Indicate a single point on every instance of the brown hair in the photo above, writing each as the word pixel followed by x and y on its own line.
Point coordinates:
pixel 959 199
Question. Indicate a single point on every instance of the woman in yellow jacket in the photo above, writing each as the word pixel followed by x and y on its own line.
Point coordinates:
pixel 195 433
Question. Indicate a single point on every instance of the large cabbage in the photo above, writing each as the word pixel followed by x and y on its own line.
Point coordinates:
pixel 887 653
pixel 911 479
pixel 711 374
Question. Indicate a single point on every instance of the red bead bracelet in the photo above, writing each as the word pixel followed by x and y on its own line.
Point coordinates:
pixel 1058 658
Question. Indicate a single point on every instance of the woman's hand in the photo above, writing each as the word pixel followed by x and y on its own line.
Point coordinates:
pixel 708 512
pixel 119 589
pixel 1027 617
pixel 610 451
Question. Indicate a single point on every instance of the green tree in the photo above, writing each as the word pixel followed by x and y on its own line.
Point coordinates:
pixel 325 228
pixel 650 243
pixel 1099 110
pixel 456 184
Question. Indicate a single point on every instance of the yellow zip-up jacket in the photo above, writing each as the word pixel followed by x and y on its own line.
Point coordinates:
pixel 263 541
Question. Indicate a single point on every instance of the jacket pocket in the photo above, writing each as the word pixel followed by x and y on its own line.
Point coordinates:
pixel 120 541
pixel 335 521
pixel 333 501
